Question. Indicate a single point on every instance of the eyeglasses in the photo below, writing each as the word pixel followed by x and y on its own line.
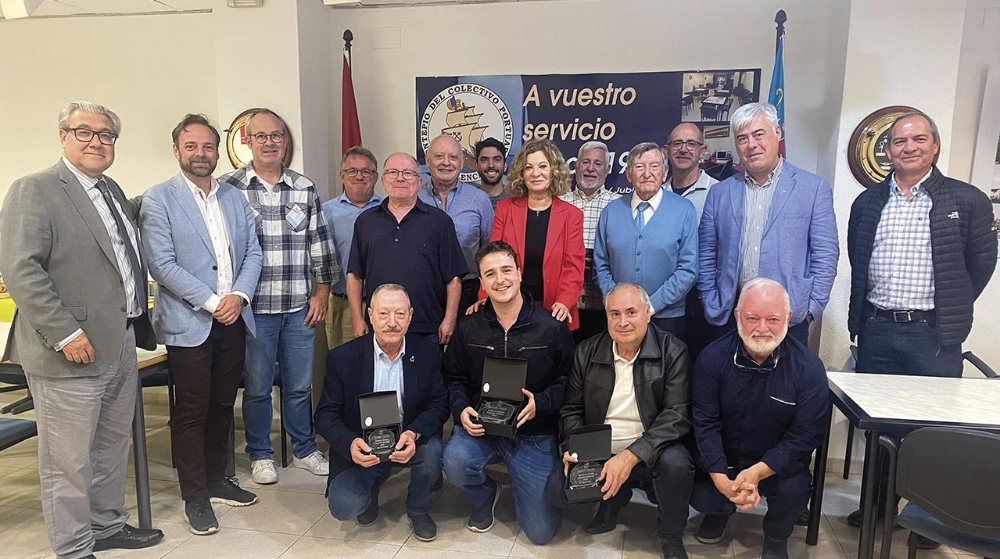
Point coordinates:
pixel 276 137
pixel 365 173
pixel 393 174
pixel 690 144
pixel 85 135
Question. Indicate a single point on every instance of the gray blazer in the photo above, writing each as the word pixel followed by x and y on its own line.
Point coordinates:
pixel 60 268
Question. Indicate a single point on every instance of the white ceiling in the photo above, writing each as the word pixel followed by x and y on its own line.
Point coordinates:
pixel 54 8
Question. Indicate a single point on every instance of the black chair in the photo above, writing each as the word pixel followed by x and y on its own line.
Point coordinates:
pixel 948 477
pixel 13 376
pixel 13 431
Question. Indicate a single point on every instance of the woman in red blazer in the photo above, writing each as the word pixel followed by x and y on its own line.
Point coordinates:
pixel 546 232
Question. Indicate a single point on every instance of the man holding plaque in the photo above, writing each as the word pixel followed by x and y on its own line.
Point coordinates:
pixel 507 327
pixel 759 408
pixel 388 359
pixel 647 410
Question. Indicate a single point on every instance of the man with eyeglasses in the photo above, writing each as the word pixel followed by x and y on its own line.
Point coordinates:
pixel 759 405
pixel 649 237
pixel 73 264
pixel 773 220
pixel 298 258
pixel 358 174
pixel 685 148
pixel 591 197
pixel 407 242
pixel 467 206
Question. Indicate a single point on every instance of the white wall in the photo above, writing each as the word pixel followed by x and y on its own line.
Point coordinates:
pixel 155 70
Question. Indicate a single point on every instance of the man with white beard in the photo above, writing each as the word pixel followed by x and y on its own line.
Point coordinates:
pixel 759 407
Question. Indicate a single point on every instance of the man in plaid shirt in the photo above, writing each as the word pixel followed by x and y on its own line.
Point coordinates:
pixel 298 250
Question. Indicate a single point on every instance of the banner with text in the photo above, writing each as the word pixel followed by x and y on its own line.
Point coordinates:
pixel 620 110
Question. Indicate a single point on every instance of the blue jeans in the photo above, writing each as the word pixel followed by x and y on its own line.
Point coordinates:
pixel 282 337
pixel 349 493
pixel 905 348
pixel 529 459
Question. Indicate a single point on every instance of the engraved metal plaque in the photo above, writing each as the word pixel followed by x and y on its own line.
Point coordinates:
pixel 584 474
pixel 382 441
pixel 497 411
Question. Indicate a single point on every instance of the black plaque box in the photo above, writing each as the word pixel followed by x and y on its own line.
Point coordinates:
pixel 380 422
pixel 591 445
pixel 500 397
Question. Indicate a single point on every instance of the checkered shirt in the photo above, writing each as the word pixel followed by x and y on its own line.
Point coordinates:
pixel 294 237
pixel 901 272
pixel 592 298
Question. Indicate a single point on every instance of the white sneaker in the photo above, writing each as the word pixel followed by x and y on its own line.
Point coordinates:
pixel 315 463
pixel 263 472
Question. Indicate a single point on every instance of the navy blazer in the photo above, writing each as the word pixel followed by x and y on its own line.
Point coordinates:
pixel 350 372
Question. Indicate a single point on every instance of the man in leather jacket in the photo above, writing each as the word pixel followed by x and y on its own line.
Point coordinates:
pixel 634 377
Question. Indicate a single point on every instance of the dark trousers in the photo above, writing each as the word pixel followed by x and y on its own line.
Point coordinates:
pixel 786 499
pixel 592 323
pixel 798 331
pixel 676 326
pixel 470 294
pixel 905 348
pixel 206 379
pixel 670 478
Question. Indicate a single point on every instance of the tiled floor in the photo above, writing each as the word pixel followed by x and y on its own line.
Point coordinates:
pixel 291 521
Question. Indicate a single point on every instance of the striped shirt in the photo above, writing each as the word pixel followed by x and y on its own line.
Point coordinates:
pixel 591 298
pixel 901 272
pixel 294 238
pixel 758 204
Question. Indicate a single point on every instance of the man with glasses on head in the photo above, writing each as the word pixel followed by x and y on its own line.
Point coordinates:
pixel 73 264
pixel 299 258
pixel 759 406
pixel 591 197
pixel 407 242
pixel 649 237
pixel 491 162
pixel 467 206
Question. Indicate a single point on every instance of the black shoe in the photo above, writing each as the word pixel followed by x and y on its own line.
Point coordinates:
pixel 775 548
pixel 201 517
pixel 673 549
pixel 228 492
pixel 713 528
pixel 481 520
pixel 370 514
pixel 424 528
pixel 606 517
pixel 854 519
pixel 129 537
pixel 920 542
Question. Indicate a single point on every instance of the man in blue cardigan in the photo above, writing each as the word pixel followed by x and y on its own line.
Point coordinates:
pixel 655 239
pixel 773 220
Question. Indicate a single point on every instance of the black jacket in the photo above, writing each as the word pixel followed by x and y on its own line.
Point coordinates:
pixel 544 341
pixel 662 389
pixel 963 247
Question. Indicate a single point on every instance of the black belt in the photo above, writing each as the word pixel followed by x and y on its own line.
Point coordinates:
pixel 338 295
pixel 904 316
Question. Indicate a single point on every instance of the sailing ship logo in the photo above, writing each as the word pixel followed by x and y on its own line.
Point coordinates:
pixel 468 113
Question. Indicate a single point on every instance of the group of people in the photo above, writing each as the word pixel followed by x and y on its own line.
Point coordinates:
pixel 678 314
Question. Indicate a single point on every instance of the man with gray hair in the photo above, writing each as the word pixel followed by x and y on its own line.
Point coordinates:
pixel 590 196
pixel 73 264
pixel 759 408
pixel 773 220
pixel 654 242
pixel 647 409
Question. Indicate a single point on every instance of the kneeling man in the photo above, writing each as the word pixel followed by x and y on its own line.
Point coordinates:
pixel 507 326
pixel 759 408
pixel 634 377
pixel 387 359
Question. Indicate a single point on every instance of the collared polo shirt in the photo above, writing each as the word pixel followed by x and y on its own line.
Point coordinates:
pixel 340 214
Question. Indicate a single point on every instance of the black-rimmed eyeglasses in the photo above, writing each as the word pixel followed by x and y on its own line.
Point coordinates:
pixel 690 144
pixel 85 135
pixel 276 137
pixel 393 174
pixel 365 173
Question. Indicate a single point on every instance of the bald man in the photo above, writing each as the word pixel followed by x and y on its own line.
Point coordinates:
pixel 685 149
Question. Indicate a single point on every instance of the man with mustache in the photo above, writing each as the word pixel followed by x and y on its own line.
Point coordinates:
pixel 491 162
pixel 467 206
pixel 591 196
pixel 759 406
pixel 388 358
pixel 201 240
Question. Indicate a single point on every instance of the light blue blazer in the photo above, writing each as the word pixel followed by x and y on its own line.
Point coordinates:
pixel 182 260
pixel 799 248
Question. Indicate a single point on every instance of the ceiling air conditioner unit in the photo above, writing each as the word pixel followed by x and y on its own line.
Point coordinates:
pixel 245 3
pixel 13 9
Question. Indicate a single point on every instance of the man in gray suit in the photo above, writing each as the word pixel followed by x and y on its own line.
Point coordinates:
pixel 202 245
pixel 73 265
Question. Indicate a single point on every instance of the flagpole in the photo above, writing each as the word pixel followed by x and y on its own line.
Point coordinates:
pixel 779 18
pixel 348 37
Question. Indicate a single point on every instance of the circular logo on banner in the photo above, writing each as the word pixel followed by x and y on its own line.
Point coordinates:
pixel 237 138
pixel 467 112
pixel 866 151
